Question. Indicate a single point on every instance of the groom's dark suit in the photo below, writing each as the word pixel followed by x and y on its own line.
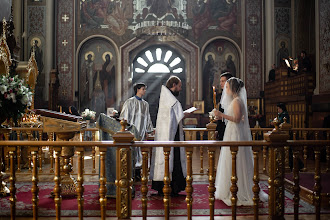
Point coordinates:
pixel 221 126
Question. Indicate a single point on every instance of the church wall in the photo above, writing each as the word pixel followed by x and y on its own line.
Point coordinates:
pixel 283 29
pixel 122 21
pixel 324 53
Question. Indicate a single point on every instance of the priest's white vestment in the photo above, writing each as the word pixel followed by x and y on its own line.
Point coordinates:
pixel 169 119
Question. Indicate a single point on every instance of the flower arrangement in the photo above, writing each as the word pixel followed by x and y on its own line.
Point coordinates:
pixel 15 97
pixel 88 114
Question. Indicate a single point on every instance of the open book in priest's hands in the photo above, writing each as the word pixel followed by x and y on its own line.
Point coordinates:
pixel 190 110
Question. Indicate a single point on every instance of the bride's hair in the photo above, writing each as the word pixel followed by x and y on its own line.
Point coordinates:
pixel 235 84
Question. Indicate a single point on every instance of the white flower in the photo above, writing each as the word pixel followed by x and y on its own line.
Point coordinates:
pixel 3 89
pixel 12 96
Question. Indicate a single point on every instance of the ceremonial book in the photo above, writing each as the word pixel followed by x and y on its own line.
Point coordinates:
pixel 190 110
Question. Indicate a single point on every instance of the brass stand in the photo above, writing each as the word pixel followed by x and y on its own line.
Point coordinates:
pixel 68 182
pixel 4 191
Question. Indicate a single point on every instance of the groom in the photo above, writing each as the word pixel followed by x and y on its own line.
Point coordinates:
pixel 221 126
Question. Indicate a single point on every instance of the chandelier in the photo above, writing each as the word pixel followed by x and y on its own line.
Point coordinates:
pixel 164 30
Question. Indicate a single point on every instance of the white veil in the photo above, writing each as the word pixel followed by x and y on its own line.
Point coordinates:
pixel 227 99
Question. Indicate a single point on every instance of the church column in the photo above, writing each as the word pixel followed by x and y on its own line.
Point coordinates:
pixel 269 32
pixel 49 45
pixel 17 13
pixel 317 47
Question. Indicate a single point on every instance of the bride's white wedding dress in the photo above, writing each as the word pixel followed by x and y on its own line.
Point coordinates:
pixel 244 163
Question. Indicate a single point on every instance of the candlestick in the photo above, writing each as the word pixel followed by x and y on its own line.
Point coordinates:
pixel 214 98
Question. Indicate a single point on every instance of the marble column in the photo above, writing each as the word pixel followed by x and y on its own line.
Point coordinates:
pixel 49 45
pixel 270 40
pixel 17 13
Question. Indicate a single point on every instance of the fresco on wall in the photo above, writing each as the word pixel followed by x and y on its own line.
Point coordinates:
pixel 219 15
pixel 218 57
pixel 97 70
pixel 104 14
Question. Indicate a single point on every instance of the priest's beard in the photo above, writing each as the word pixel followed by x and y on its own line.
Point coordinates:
pixel 176 93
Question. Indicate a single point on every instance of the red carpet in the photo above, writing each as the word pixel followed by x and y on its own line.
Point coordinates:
pixel 155 203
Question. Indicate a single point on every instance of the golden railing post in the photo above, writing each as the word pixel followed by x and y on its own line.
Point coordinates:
pixel 264 155
pixel 276 172
pixel 211 188
pixel 30 136
pixel 256 188
pixel 6 134
pixel 19 155
pixel 189 180
pixel 103 180
pixel 328 153
pixel 144 181
pixel 286 127
pixel 57 180
pixel 317 186
pixel 167 182
pixel 124 181
pixel 40 153
pixel 211 127
pixel 51 153
pixel 201 150
pixel 35 181
pixel 93 152
pixel 80 182
pixel 4 191
pixel 305 152
pixel 12 180
pixel 296 187
pixel 233 188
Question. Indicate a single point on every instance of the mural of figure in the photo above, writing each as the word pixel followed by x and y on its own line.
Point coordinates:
pixel 38 55
pixel 107 79
pixel 208 77
pixel 228 21
pixel 282 53
pixel 230 65
pixel 115 18
pixel 93 13
pixel 160 8
pixel 87 82
pixel 98 97
pixel 202 18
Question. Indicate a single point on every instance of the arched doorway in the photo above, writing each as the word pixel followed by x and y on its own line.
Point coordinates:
pixel 153 66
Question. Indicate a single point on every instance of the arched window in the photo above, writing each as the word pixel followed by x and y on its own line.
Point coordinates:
pixel 158 59
pixel 153 66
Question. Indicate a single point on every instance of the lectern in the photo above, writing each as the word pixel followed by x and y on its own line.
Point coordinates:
pixel 65 126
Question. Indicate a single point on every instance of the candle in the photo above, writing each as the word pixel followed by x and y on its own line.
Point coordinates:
pixel 214 98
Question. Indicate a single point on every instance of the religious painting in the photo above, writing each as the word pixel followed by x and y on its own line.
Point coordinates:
pixel 253 107
pixel 200 107
pixel 218 57
pixel 222 15
pixel 104 14
pixel 5 9
pixel 97 75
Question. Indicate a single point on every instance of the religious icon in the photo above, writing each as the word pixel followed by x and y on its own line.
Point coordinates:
pixel 200 107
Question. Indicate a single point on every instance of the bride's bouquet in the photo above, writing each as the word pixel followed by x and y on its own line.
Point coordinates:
pixel 88 114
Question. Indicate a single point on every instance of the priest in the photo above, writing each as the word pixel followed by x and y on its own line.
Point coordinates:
pixel 169 128
pixel 136 111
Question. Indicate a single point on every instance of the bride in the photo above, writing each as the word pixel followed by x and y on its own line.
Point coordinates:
pixel 234 103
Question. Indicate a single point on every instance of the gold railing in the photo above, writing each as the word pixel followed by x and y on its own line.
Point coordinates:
pixel 275 143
